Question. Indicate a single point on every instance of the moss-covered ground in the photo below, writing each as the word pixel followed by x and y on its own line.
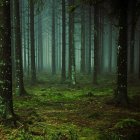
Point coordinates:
pixel 55 111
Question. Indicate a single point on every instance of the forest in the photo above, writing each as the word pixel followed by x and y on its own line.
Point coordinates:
pixel 69 69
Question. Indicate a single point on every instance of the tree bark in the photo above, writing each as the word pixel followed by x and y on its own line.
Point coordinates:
pixel 139 59
pixel 90 28
pixel 63 73
pixel 121 93
pixel 33 67
pixel 40 44
pixel 72 72
pixel 53 40
pixel 6 99
pixel 132 34
pixel 110 48
pixel 83 39
pixel 96 43
pixel 18 47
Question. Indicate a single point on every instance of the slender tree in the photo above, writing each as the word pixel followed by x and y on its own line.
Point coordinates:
pixel 96 42
pixel 24 35
pixel 33 67
pixel 139 58
pixel 6 100
pixel 53 39
pixel 90 28
pixel 63 73
pixel 72 72
pixel 28 39
pixel 40 44
pixel 110 47
pixel 13 40
pixel 132 34
pixel 83 62
pixel 18 47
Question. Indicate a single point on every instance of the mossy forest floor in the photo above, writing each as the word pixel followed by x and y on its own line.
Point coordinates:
pixel 54 111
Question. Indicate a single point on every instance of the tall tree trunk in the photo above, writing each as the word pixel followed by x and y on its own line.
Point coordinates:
pixel 6 99
pixel 63 73
pixel 23 31
pixel 96 43
pixel 72 72
pixel 28 41
pixel 110 47
pixel 18 47
pixel 13 41
pixel 83 39
pixel 40 44
pixel 132 34
pixel 90 28
pixel 139 58
pixel 33 67
pixel 102 41
pixel 121 93
pixel 53 40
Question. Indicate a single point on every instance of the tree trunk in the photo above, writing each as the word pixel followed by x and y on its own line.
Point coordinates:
pixel 18 47
pixel 53 39
pixel 63 74
pixel 96 43
pixel 83 39
pixel 33 67
pixel 90 28
pixel 132 34
pixel 28 41
pixel 102 42
pixel 13 41
pixel 40 44
pixel 139 58
pixel 72 72
pixel 110 48
pixel 121 93
pixel 24 34
pixel 6 99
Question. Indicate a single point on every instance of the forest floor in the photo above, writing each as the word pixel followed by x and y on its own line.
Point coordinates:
pixel 54 111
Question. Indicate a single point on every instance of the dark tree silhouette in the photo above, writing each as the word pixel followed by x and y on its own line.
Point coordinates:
pixel 18 48
pixel 53 40
pixel 63 73
pixel 132 33
pixel 6 101
pixel 121 94
pixel 33 66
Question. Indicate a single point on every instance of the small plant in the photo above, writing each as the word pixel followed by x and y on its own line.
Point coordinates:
pixel 73 135
pixel 127 123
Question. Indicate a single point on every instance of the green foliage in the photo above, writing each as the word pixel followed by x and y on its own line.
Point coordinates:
pixel 112 136
pixel 125 123
pixel 21 135
pixel 73 135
